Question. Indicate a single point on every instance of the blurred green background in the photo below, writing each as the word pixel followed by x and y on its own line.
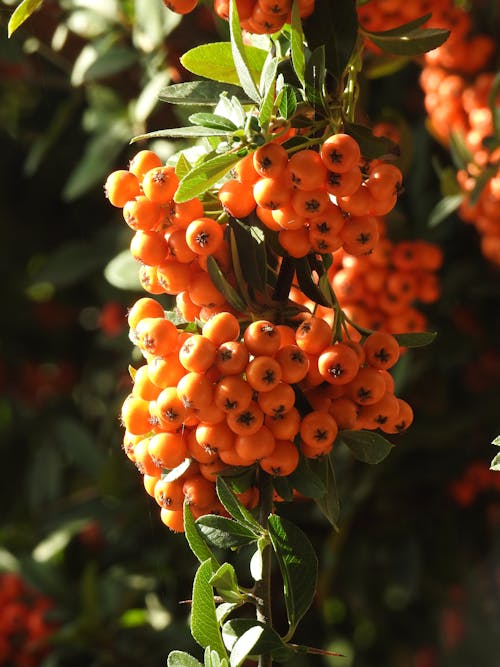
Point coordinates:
pixel 412 579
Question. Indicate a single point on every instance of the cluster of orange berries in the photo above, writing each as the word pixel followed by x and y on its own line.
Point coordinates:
pixel 382 290
pixel 219 399
pixel 256 16
pixel 24 628
pixel 317 201
pixel 458 101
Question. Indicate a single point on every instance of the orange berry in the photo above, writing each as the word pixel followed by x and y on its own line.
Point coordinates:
pixel 263 373
pixel 318 429
pixel 148 247
pixel 173 519
pixel 142 162
pixel 294 363
pixel 262 338
pixel 167 450
pixel 204 236
pixel 169 409
pixel 255 446
pixel 246 421
pixel 195 391
pixel 232 393
pixel 197 353
pixel 284 426
pixel 135 415
pixel 232 357
pixel 160 183
pixel 400 422
pixel 142 308
pixel 120 186
pixel 367 387
pixel 141 213
pixel 338 364
pixel 270 160
pixel 382 350
pixel 214 437
pixel 313 335
pixel 278 400
pixel 282 461
pixel 221 328
pixel 237 198
pixel 340 153
pixel 156 335
pixel 200 492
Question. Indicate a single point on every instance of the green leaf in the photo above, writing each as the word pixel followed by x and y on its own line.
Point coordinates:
pixel 366 446
pixel 195 540
pixel 297 43
pixel 235 508
pixel 495 464
pixel 226 583
pixel 204 624
pixel 182 166
pixel 329 503
pixel 252 254
pixel 409 39
pixel 123 272
pixel 197 93
pixel 481 181
pixel 215 121
pixel 418 339
pixel 334 25
pixel 215 61
pixel 181 132
pixel 181 659
pixel 460 154
pixel 496 441
pixel 224 533
pixel 306 481
pixel 283 488
pixel 288 101
pixel 201 177
pixel 244 645
pixel 298 564
pixel 268 89
pixel 238 50
pixel 307 284
pixel 21 14
pixel 220 282
pixel 315 74
pixel 444 208
pixel 268 641
pixel 385 65
pixel 372 147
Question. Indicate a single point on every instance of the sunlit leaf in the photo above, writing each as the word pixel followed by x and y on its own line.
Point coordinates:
pixel 21 13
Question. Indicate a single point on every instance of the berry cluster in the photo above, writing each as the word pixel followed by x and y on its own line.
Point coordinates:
pixel 24 629
pixel 221 398
pixel 315 201
pixel 256 16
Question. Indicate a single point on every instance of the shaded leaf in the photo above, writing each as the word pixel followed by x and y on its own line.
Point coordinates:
pixel 306 481
pixel 329 503
pixel 315 74
pixel 371 146
pixel 418 339
pixel 307 284
pixel 288 102
pixel 196 93
pixel 444 208
pixel 123 272
pixel 298 564
pixel 226 583
pixel 235 508
pixel 224 533
pixel 333 25
pixel 252 254
pixel 405 41
pixel 367 446
pixel 220 282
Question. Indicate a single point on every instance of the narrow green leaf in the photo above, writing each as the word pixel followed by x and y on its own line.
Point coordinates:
pixel 204 625
pixel 367 446
pixel 315 78
pixel 372 147
pixel 413 43
pixel 329 503
pixel 334 25
pixel 181 132
pixel 495 464
pixel 298 565
pixel 196 542
pixel 215 61
pixel 201 93
pixel 235 508
pixel 201 177
pixel 307 284
pixel 417 339
pixel 252 254
pixel 385 65
pixel 496 441
pixel 401 30
pixel 268 90
pixel 240 59
pixel 481 181
pixel 181 659
pixel 220 282
pixel 444 208
pixel 297 43
pixel 460 154
pixel 224 533
pixel 213 120
pixel 21 13
pixel 288 101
